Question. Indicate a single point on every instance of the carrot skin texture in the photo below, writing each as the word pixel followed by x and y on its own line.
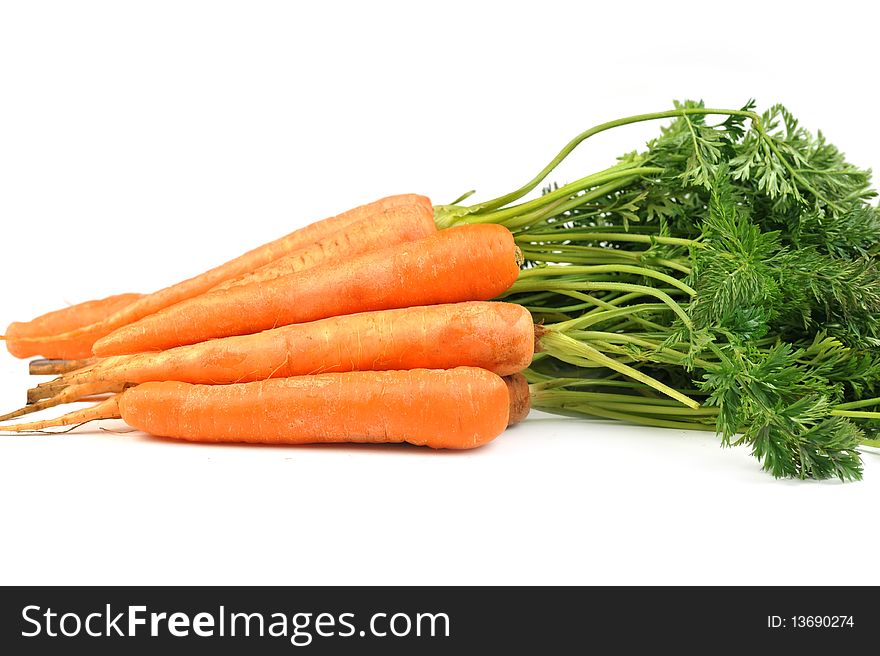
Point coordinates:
pixel 57 367
pixel 79 342
pixel 454 409
pixel 361 237
pixel 74 316
pixel 490 335
pixel 60 321
pixel 464 263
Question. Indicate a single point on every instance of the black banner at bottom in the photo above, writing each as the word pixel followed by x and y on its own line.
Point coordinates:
pixel 428 620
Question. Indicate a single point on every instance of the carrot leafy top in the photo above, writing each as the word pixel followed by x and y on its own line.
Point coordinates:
pixel 732 264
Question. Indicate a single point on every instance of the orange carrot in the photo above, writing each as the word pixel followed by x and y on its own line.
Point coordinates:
pixel 496 336
pixel 78 343
pixel 520 397
pixel 361 237
pixel 458 408
pixel 74 316
pixel 469 262
pixel 61 321
pixel 499 337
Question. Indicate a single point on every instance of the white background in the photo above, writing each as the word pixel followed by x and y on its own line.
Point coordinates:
pixel 141 143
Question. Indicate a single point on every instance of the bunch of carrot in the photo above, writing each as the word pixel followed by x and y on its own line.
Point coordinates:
pixel 381 324
pixel 403 321
pixel 338 331
pixel 369 326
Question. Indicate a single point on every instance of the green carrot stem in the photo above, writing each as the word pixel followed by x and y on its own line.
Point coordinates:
pixel 586 285
pixel 618 301
pixel 601 306
pixel 550 395
pixel 600 269
pixel 863 403
pixel 537 211
pixel 588 300
pixel 672 264
pixel 596 411
pixel 574 352
pixel 583 136
pixel 643 408
pixel 544 381
pixel 540 210
pixel 574 254
pixel 546 315
pixel 600 339
pixel 855 414
pixel 597 317
pixel 605 237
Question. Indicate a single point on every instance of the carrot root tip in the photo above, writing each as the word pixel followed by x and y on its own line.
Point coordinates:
pixel 108 409
pixel 36 394
pixel 16 413
pixel 13 431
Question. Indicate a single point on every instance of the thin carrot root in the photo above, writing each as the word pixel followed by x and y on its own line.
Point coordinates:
pixel 58 381
pixel 108 409
pixel 59 386
pixel 44 391
pixel 68 395
pixel 50 388
pixel 520 398
pixel 47 367
pixel 95 398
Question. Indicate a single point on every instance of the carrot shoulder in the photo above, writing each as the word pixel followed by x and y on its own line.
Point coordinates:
pixel 78 342
pixel 465 263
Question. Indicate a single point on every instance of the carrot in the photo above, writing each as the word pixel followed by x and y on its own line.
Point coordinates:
pixel 458 408
pixel 469 262
pixel 61 321
pixel 45 367
pixel 361 237
pixel 74 316
pixel 496 336
pixel 520 398
pixel 78 343
pixel 45 391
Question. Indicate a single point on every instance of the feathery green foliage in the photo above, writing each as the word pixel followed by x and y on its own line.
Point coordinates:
pixel 725 278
